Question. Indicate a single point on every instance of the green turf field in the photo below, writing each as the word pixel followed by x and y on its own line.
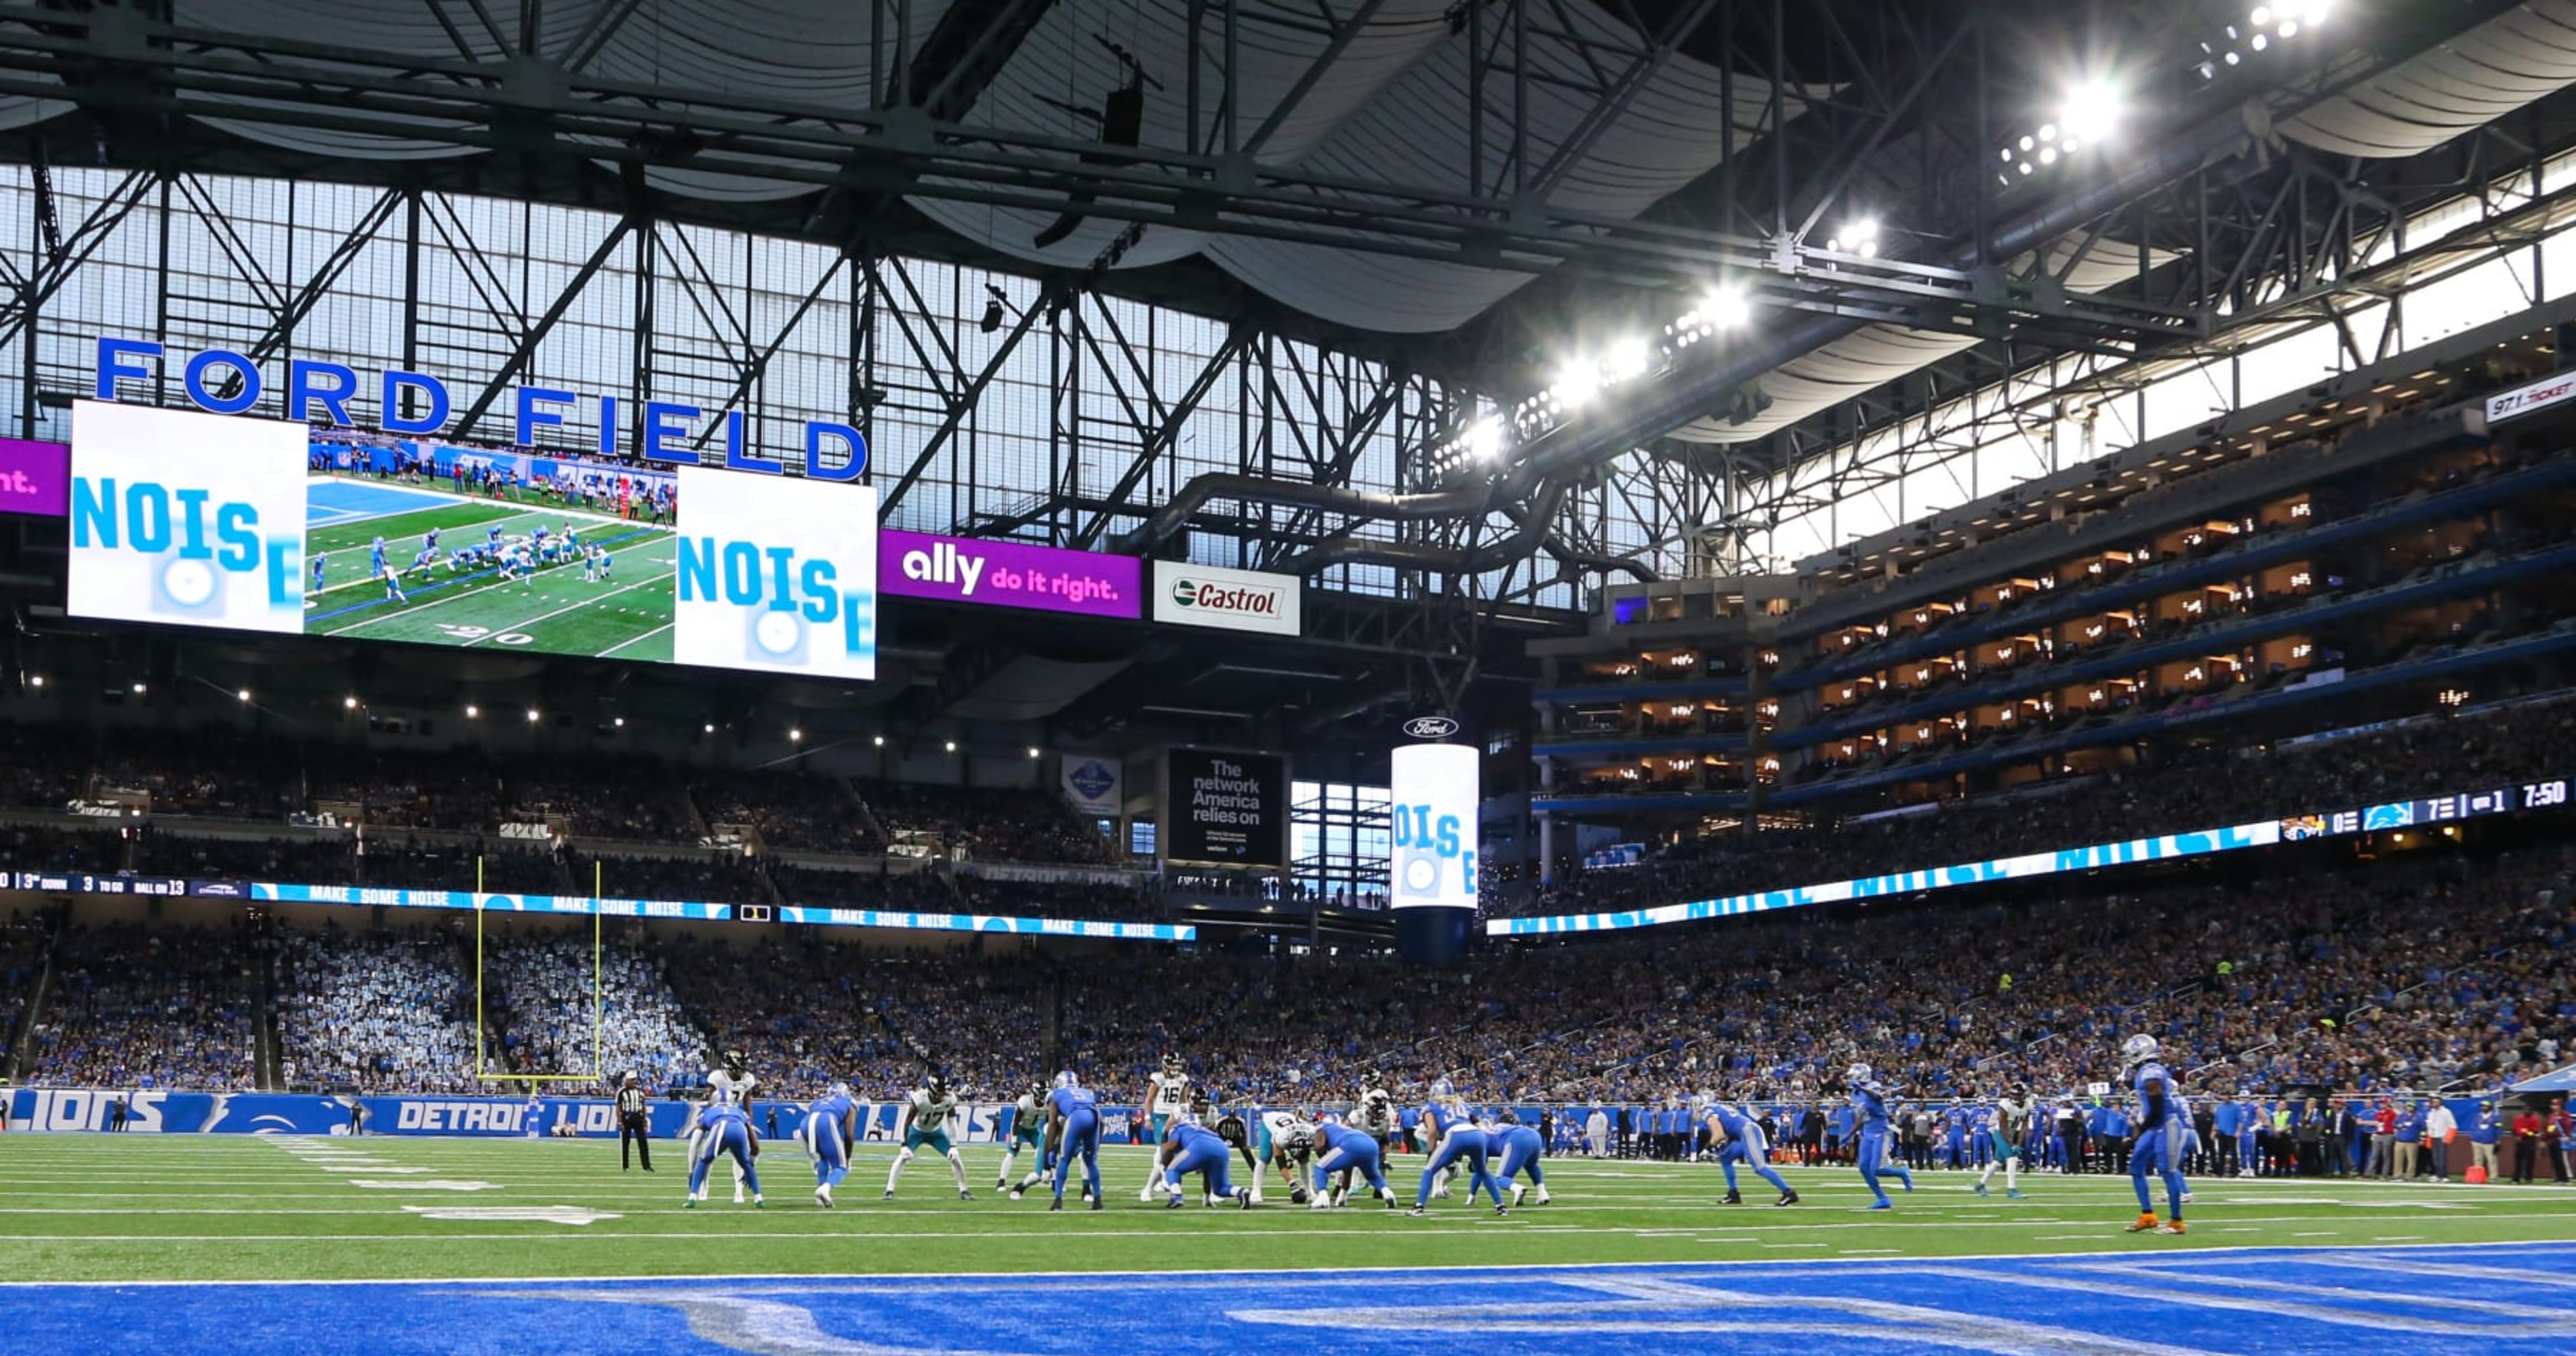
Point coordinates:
pixel 628 617
pixel 152 1207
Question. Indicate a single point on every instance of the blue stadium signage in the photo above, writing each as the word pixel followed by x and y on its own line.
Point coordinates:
pixel 221 381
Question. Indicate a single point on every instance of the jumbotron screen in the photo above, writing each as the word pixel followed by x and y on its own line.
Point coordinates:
pixel 197 519
pixel 1436 792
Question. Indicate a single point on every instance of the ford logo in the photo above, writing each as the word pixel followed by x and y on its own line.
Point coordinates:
pixel 1430 727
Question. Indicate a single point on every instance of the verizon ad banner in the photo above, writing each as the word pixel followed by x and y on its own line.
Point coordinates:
pixel 1232 600
pixel 1008 574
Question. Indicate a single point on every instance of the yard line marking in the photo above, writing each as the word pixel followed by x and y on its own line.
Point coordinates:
pixel 624 643
pixel 573 607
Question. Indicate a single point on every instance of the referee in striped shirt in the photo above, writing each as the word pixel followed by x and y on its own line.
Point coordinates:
pixel 634 1125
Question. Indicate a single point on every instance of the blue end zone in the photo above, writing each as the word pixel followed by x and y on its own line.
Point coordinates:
pixel 329 503
pixel 2150 1299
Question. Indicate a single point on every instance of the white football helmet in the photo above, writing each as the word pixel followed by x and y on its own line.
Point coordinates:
pixel 1065 1079
pixel 2140 1048
pixel 1858 1073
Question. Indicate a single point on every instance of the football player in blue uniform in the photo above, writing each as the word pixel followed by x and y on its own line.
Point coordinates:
pixel 722 1128
pixel 1869 1110
pixel 1738 1138
pixel 2162 1126
pixel 1346 1149
pixel 1456 1138
pixel 831 1127
pixel 1520 1148
pixel 1190 1146
pixel 1073 1128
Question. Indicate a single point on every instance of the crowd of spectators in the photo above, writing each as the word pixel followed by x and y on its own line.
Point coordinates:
pixel 791 810
pixel 984 823
pixel 2223 786
pixel 24 937
pixel 538 1001
pixel 144 1007
pixel 2436 971
pixel 601 799
pixel 379 1011
pixel 217 776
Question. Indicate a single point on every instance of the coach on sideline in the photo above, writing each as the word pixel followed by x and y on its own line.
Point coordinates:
pixel 634 1125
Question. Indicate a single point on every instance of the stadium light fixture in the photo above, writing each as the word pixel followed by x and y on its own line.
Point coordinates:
pixel 880 741
pixel 242 695
pixel 711 727
pixel 473 712
pixel 618 721
pixel 1485 439
pixel 139 689
pixel 1856 236
pixel 348 703
pixel 794 735
pixel 1575 384
pixel 2263 25
pixel 1627 360
pixel 1033 751
pixel 532 715
pixel 35 680
pixel 951 746
pixel 2088 116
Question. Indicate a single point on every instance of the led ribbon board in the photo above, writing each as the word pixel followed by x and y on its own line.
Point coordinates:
pixel 2394 815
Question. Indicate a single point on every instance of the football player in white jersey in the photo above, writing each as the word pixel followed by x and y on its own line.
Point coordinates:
pixel 1028 1130
pixel 1167 1095
pixel 732 1084
pixel 1286 1141
pixel 927 1110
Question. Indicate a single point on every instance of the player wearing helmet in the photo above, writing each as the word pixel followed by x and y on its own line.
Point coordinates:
pixel 2162 1125
pixel 1167 1095
pixel 927 1110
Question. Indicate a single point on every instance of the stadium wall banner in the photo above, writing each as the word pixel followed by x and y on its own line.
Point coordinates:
pixel 154 1111
pixel 1224 807
pixel 2538 396
pixel 219 381
pixel 2391 816
pixel 1092 786
pixel 1232 600
pixel 35 478
pixel 1009 574
pixel 183 517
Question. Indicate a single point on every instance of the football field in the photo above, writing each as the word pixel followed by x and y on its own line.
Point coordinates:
pixel 493 1245
pixel 556 611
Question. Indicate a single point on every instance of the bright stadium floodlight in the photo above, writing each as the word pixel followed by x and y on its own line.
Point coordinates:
pixel 348 703
pixel 879 741
pixel 619 722
pixel 1856 236
pixel 1628 360
pixel 35 680
pixel 1485 438
pixel 243 695
pixel 794 735
pixel 1575 384
pixel 473 712
pixel 951 746
pixel 1033 751
pixel 139 689
pixel 711 727
pixel 533 716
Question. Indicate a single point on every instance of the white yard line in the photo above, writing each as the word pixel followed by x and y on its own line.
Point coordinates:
pixel 574 607
pixel 637 640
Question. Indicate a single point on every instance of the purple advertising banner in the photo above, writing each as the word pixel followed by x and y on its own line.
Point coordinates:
pixel 36 478
pixel 1008 574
